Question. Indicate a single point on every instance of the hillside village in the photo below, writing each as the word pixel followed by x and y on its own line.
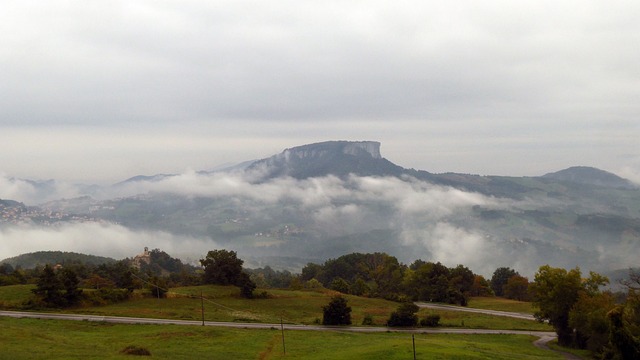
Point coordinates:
pixel 15 213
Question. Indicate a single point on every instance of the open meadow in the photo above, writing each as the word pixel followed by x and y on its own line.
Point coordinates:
pixel 223 303
pixel 53 339
pixel 56 339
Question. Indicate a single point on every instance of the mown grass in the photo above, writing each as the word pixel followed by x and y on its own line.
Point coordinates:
pixel 55 339
pixel 581 353
pixel 502 304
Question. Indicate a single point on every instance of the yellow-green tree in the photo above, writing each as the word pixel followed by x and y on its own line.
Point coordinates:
pixel 556 291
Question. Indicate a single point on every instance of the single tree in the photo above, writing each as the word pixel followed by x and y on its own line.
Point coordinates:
pixel 340 284
pixel 246 285
pixel 624 344
pixel 70 283
pixel 500 278
pixel 405 315
pixel 480 287
pixel 49 288
pixel 556 291
pixel 588 318
pixel 359 287
pixel 517 288
pixel 337 312
pixel 221 267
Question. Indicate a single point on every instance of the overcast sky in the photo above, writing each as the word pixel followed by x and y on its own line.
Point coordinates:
pixel 99 91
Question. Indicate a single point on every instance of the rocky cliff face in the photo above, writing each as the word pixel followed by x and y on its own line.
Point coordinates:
pixel 334 148
pixel 338 158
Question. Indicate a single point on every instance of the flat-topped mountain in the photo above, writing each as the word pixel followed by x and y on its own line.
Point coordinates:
pixel 339 158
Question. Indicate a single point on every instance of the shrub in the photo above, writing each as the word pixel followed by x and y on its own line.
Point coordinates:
pixel 135 350
pixel 341 285
pixel 313 284
pixel 107 296
pixel 336 312
pixel 368 319
pixel 431 320
pixel 405 315
pixel 262 295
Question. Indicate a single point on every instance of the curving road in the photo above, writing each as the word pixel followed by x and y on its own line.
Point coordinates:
pixel 478 311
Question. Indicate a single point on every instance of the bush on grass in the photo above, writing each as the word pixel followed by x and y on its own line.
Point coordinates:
pixel 431 320
pixel 135 350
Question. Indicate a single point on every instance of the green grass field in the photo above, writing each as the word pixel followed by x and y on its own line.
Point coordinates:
pixel 502 304
pixel 480 321
pixel 12 296
pixel 223 303
pixel 29 338
pixel 54 339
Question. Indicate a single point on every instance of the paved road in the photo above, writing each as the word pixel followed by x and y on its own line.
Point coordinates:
pixel 363 329
pixel 478 311
pixel 544 340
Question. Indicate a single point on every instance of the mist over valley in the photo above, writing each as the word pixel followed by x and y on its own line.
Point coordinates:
pixel 323 200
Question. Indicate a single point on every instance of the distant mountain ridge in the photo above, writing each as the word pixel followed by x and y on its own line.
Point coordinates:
pixel 363 158
pixel 591 176
pixel 41 258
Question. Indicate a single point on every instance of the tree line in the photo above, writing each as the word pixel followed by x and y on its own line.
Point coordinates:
pixel 586 317
pixel 382 275
pixel 582 314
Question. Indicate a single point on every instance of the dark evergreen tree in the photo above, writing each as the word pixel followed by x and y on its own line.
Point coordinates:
pixel 70 283
pixel 49 288
pixel 246 285
pixel 337 312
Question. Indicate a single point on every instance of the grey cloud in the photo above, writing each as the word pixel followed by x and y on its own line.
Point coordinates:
pixel 445 86
pixel 158 62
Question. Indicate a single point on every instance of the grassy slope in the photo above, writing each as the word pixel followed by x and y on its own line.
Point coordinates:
pixel 223 304
pixel 12 296
pixel 502 304
pixel 51 339
pixel 93 340
pixel 300 307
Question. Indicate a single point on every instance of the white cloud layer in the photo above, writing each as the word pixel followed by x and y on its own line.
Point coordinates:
pixel 339 206
pixel 98 239
pixel 433 222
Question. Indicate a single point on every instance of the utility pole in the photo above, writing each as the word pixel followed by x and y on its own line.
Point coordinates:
pixel 202 306
pixel 413 338
pixel 284 349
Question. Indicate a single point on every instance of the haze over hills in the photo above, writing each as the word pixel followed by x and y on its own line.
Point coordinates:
pixel 323 200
